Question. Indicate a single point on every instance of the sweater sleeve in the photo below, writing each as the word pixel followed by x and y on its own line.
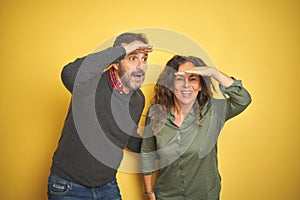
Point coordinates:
pixel 134 143
pixel 93 66
pixel 239 98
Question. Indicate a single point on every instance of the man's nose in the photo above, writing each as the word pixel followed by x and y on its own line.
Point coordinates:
pixel 141 64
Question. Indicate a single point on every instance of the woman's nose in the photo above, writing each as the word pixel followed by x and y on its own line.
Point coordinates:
pixel 186 83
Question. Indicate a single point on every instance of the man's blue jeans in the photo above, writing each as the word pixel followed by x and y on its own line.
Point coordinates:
pixel 62 189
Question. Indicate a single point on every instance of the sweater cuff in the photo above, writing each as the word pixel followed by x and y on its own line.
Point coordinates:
pixel 119 53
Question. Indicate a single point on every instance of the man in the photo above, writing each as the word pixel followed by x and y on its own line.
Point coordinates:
pixel 85 162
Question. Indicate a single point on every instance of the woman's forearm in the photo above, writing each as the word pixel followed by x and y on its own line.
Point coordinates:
pixel 222 78
pixel 148 183
pixel 148 187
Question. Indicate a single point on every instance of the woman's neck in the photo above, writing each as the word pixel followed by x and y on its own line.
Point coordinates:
pixel 180 112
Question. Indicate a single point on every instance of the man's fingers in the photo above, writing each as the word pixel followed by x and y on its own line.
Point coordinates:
pixel 138 48
pixel 145 48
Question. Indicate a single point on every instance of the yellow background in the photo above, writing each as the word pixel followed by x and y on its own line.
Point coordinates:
pixel 256 41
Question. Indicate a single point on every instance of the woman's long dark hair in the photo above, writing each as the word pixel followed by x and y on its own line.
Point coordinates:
pixel 164 95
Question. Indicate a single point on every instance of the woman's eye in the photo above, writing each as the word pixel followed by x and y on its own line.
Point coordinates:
pixel 193 78
pixel 178 78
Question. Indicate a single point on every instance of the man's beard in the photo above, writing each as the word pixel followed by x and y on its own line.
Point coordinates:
pixel 128 79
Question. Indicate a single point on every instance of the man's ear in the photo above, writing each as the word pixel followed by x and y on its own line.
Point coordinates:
pixel 115 66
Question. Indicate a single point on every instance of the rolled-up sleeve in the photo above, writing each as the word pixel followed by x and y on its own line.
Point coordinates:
pixel 239 98
pixel 148 150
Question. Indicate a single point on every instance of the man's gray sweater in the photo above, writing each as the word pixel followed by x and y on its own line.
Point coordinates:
pixel 72 159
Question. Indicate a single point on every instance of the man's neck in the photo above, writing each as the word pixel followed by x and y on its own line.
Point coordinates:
pixel 125 89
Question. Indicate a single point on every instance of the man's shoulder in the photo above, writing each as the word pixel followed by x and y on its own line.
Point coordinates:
pixel 140 94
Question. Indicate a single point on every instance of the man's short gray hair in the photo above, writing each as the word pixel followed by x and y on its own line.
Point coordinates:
pixel 130 37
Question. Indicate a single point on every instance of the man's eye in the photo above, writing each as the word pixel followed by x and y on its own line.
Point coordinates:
pixel 132 58
pixel 144 59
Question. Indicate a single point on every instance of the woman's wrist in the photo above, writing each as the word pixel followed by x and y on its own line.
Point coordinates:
pixel 149 193
pixel 222 78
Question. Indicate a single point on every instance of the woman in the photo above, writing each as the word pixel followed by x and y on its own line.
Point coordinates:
pixel 182 128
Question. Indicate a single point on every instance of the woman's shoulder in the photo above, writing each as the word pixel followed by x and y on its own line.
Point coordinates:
pixel 156 109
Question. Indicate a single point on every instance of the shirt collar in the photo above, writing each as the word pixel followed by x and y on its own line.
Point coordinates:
pixel 114 82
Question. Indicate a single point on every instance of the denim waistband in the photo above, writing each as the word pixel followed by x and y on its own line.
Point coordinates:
pixel 56 178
